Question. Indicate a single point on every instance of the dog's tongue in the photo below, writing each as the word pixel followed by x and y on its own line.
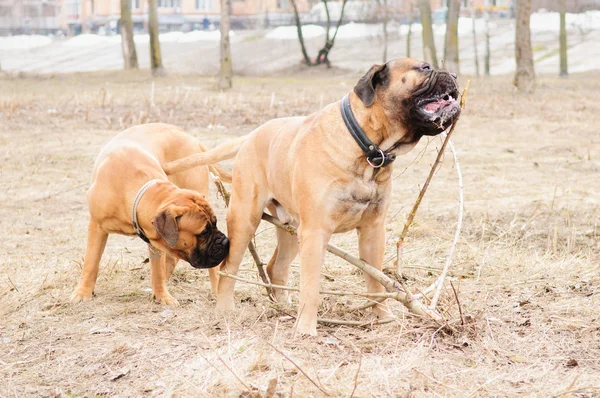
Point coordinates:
pixel 436 105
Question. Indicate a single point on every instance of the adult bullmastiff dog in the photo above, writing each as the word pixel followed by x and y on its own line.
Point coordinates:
pixel 131 195
pixel 330 172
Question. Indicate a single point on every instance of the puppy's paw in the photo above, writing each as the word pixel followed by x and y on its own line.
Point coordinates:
pixel 79 296
pixel 167 299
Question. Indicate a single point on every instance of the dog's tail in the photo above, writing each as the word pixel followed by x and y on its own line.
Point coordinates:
pixel 219 172
pixel 226 150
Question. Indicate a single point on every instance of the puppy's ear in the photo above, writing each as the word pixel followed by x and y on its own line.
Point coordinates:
pixel 375 77
pixel 166 226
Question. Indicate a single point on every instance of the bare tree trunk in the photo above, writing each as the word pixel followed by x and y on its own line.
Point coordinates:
pixel 486 17
pixel 155 57
pixel 429 53
pixel 339 22
pixel 328 21
pixel 322 54
pixel 564 65
pixel 475 52
pixel 385 32
pixel 409 34
pixel 525 75
pixel 127 44
pixel 451 42
pixel 226 75
pixel 307 60
pixel 329 44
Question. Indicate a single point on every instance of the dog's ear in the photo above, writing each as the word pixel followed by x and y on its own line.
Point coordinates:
pixel 166 226
pixel 365 88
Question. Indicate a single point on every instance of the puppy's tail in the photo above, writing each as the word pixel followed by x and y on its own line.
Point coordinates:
pixel 226 150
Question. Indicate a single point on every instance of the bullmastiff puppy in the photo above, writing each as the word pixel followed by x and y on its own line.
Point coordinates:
pixel 131 195
pixel 330 172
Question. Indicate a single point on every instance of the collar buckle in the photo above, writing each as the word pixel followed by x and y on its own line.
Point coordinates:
pixel 376 157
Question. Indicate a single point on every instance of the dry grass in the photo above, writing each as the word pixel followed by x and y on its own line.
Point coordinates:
pixel 526 268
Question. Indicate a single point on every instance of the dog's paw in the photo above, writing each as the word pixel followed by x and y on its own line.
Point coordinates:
pixel 282 296
pixel 224 306
pixel 383 312
pixel 80 297
pixel 167 299
pixel 306 326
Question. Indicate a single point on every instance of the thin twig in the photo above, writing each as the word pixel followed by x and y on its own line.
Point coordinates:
pixel 462 320
pixel 224 363
pixel 371 303
pixel 356 376
pixel 442 277
pixel 438 160
pixel 297 367
pixel 329 321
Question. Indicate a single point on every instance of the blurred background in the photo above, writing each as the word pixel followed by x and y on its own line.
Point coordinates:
pixel 44 36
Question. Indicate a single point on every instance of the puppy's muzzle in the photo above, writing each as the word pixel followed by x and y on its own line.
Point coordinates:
pixel 215 252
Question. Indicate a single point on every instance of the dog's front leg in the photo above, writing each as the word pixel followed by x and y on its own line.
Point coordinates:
pixel 158 270
pixel 96 242
pixel 371 248
pixel 313 242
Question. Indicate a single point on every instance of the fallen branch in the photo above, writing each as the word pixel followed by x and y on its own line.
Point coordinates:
pixel 413 303
pixel 295 289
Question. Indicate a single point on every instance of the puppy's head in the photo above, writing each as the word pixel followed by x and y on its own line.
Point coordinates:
pixel 187 229
pixel 411 93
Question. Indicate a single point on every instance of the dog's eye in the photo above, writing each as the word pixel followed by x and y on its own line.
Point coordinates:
pixel 425 67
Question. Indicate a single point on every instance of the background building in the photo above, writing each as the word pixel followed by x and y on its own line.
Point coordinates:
pixel 28 16
pixel 77 16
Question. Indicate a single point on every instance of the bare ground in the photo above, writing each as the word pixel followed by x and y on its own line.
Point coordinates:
pixel 526 268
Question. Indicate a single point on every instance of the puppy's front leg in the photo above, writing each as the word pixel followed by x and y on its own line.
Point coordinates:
pixel 96 242
pixel 313 242
pixel 158 270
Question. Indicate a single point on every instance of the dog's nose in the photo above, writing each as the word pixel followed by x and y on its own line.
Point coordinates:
pixel 454 75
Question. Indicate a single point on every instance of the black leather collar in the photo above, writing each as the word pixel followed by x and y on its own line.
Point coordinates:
pixel 375 156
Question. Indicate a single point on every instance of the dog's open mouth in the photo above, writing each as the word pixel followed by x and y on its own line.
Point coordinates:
pixel 438 105
pixel 440 110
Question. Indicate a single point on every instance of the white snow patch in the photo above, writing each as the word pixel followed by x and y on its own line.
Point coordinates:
pixel 203 35
pixel 86 40
pixel 291 32
pixel 357 30
pixel 23 42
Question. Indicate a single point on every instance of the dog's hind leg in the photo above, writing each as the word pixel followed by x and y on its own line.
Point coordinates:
pixel 278 268
pixel 96 242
